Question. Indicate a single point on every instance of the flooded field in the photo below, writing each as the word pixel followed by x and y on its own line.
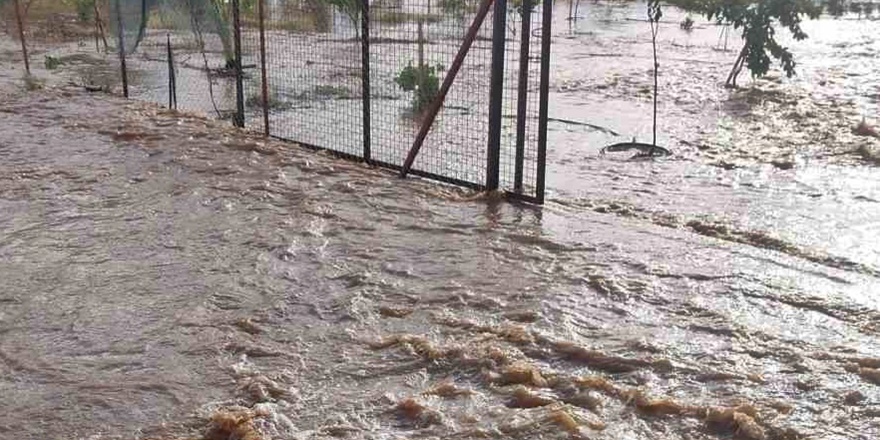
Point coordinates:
pixel 167 277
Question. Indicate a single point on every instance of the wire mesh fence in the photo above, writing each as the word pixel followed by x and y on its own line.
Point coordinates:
pixel 360 78
pixel 314 70
pixel 413 44
pixel 178 51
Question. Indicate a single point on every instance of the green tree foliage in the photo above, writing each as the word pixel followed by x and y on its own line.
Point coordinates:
pixel 758 20
pixel 84 8
pixel 201 16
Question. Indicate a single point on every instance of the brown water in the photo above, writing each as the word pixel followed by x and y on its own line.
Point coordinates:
pixel 165 276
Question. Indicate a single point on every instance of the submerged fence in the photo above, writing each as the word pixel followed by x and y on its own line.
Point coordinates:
pixel 453 90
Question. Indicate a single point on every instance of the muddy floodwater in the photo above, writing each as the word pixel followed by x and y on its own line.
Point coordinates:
pixel 164 276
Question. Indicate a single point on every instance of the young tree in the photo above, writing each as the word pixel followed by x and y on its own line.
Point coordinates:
pixel 654 16
pixel 758 20
pixel 21 9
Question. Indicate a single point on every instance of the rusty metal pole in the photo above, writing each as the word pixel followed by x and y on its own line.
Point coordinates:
pixel 121 43
pixel 239 85
pixel 544 100
pixel 20 20
pixel 496 95
pixel 434 108
pixel 522 95
pixel 262 18
pixel 365 79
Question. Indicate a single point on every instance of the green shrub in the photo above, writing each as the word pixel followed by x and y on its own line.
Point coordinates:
pixel 687 24
pixel 423 81
pixel 52 63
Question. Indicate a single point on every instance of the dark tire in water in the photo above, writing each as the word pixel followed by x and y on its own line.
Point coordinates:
pixel 643 149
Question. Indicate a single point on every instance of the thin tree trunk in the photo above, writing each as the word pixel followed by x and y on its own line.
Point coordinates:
pixel 737 68
pixel 20 20
pixel 656 68
pixel 120 42
pixel 99 23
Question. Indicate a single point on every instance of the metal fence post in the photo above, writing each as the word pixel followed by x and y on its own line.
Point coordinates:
pixel 522 95
pixel 365 76
pixel 265 76
pixel 544 98
pixel 496 94
pixel 239 86
pixel 172 81
pixel 121 42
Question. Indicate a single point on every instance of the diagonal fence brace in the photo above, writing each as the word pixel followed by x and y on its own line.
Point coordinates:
pixel 437 103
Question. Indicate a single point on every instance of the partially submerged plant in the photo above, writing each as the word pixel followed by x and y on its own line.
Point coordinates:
pixel 646 150
pixel 52 63
pixel 758 20
pixel 654 15
pixel 687 24
pixel 32 83
pixel 423 81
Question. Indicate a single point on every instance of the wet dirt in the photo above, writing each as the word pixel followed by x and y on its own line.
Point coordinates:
pixel 166 276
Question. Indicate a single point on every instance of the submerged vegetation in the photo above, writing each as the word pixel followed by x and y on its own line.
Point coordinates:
pixel 655 13
pixel 687 24
pixel 52 63
pixel 757 20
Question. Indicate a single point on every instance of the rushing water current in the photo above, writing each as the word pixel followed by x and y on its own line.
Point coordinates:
pixel 164 276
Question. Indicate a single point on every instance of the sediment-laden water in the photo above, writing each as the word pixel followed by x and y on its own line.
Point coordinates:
pixel 164 276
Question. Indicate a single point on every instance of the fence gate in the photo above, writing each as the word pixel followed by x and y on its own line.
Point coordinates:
pixel 359 77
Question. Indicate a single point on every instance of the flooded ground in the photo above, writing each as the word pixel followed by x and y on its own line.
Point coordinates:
pixel 167 277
